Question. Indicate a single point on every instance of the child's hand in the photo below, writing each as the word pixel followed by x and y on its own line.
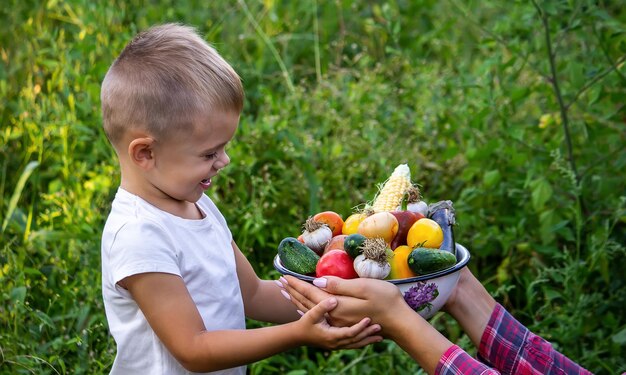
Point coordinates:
pixel 318 332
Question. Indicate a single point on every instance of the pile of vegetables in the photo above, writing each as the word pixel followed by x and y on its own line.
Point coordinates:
pixel 396 236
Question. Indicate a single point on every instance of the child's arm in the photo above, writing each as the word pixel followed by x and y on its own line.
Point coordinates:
pixel 262 299
pixel 172 314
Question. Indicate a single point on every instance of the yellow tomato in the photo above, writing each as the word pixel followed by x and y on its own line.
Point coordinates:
pixel 425 233
pixel 351 224
pixel 399 263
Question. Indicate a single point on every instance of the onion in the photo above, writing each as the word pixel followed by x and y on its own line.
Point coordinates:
pixel 419 207
pixel 381 224
pixel 414 202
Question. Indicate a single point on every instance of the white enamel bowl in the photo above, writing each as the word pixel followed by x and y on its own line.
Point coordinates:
pixel 444 281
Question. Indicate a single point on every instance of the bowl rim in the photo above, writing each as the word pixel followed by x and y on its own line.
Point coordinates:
pixel 462 256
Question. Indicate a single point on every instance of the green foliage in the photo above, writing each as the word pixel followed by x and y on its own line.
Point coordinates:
pixel 513 110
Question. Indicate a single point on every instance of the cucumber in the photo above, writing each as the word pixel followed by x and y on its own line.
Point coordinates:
pixel 423 261
pixel 352 244
pixel 296 256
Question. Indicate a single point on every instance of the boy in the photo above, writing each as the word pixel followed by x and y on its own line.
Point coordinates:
pixel 176 288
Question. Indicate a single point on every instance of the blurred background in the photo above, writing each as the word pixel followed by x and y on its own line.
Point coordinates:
pixel 514 110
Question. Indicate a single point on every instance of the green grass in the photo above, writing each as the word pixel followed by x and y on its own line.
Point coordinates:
pixel 458 88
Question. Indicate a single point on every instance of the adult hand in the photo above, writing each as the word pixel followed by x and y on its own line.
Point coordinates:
pixel 302 294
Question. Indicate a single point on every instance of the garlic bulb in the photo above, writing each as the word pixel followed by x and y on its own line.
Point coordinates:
pixel 374 261
pixel 316 235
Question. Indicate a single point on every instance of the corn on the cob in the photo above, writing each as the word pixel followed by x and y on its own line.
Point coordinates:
pixel 390 196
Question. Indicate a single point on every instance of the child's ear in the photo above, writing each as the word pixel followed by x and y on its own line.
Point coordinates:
pixel 140 151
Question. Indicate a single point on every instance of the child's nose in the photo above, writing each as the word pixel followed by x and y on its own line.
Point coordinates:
pixel 223 161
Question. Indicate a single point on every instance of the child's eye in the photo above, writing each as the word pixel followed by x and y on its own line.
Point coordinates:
pixel 210 156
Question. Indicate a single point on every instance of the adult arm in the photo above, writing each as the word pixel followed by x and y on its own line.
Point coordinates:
pixel 382 302
pixel 502 341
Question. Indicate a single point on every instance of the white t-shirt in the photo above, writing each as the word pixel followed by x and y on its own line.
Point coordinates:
pixel 139 238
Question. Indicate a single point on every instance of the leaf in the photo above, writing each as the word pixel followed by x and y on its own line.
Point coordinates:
pixel 547 221
pixel 620 337
pixel 519 93
pixel 541 193
pixel 32 271
pixel 576 75
pixel 552 294
pixel 503 274
pixel 491 178
pixel 594 94
pixel 18 294
pixel 44 318
pixel 30 167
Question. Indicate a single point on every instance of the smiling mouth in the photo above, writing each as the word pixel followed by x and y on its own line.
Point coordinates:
pixel 206 183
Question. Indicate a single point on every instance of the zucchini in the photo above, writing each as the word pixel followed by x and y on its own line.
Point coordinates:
pixel 353 244
pixel 296 256
pixel 423 261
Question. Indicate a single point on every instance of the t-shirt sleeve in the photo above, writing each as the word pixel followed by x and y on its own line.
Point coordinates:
pixel 142 246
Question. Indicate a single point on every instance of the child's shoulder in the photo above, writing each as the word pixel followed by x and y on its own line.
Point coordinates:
pixel 206 202
pixel 209 207
pixel 127 204
pixel 132 212
pixel 136 235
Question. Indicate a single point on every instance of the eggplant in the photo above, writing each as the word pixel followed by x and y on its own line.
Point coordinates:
pixel 443 213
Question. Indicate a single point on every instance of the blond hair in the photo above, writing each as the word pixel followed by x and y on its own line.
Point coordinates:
pixel 163 78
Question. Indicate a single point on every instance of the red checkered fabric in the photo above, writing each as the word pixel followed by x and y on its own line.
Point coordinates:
pixel 507 347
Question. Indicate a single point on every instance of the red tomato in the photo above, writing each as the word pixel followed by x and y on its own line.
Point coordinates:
pixel 332 219
pixel 335 243
pixel 336 263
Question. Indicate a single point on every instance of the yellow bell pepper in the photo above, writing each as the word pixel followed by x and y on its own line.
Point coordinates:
pixel 399 263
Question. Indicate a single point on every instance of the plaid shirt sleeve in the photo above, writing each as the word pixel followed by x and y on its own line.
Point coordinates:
pixel 511 348
pixel 456 361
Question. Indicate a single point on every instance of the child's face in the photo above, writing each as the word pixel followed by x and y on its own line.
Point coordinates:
pixel 185 165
